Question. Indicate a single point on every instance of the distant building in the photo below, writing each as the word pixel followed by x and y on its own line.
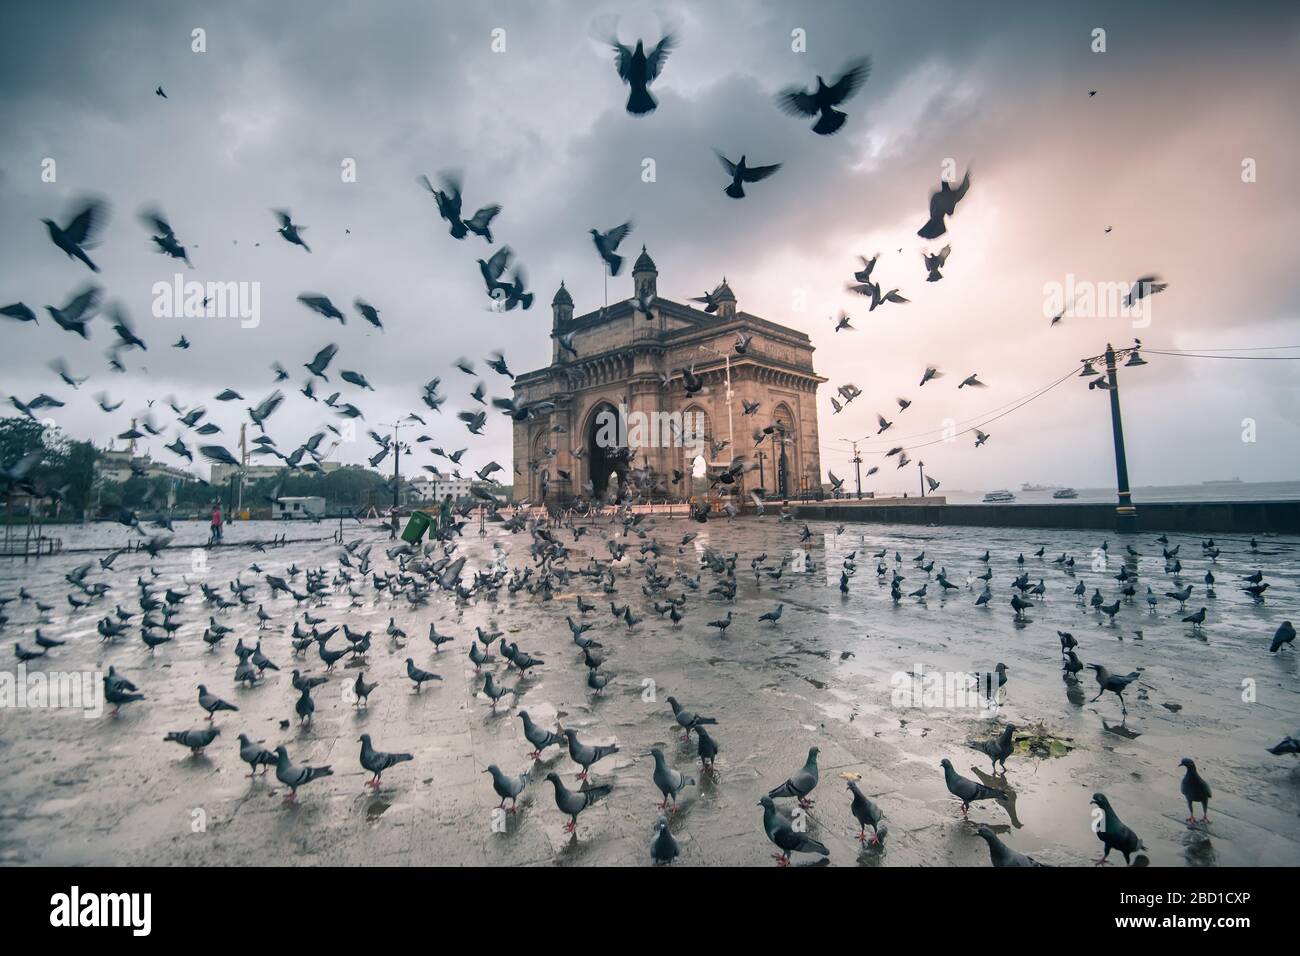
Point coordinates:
pixel 221 474
pixel 123 464
pixel 303 508
pixel 437 486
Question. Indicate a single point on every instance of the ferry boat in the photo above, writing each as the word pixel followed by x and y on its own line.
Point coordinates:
pixel 1065 493
pixel 998 496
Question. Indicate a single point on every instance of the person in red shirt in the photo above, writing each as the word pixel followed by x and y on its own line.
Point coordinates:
pixel 216 523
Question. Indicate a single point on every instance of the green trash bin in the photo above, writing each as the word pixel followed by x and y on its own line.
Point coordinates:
pixel 416 527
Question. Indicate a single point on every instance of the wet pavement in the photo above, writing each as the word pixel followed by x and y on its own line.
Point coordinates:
pixel 109 790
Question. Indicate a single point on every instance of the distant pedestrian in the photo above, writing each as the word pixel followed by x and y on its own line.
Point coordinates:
pixel 392 523
pixel 444 514
pixel 215 532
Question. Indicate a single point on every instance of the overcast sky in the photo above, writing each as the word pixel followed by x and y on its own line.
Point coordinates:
pixel 288 90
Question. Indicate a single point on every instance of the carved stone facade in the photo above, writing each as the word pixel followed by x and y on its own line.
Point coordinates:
pixel 631 366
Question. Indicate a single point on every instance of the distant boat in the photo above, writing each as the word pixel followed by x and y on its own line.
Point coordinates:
pixel 1065 493
pixel 1224 481
pixel 996 496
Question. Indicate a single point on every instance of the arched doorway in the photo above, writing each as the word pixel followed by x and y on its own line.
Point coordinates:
pixel 537 464
pixel 783 451
pixel 606 440
pixel 695 435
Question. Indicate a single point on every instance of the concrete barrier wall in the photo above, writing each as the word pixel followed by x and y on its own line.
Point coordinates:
pixel 1219 517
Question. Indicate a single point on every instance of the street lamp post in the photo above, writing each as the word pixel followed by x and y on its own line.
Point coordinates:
pixel 1125 512
pixel 920 466
pixel 397 463
pixel 857 465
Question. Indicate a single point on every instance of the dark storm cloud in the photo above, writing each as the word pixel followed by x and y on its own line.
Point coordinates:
pixel 286 91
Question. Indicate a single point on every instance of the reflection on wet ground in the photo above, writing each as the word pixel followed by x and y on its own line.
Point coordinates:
pixel 865 677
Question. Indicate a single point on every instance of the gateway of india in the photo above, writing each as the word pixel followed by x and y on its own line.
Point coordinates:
pixel 615 364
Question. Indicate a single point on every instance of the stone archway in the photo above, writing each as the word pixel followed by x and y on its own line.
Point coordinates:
pixel 605 438
pixel 785 464
pixel 693 451
pixel 537 464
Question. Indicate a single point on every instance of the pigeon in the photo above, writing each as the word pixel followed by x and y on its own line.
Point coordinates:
pixel 639 69
pixel 663 846
pixel 1285 634
pixel 421 677
pixel 288 231
pixel 376 761
pixel 687 719
pixel 573 802
pixel 999 748
pixel 493 691
pixel 18 311
pixel 669 781
pixel 212 703
pixel 1002 855
pixel 1115 683
pixel 967 791
pixel 507 787
pixel 361 689
pixel 539 737
pixel 801 783
pixel 741 173
pixel 82 231
pixel 1287 745
pixel 195 740
pixel 305 707
pixel 784 837
pixel 942 204
pixel 774 615
pixel 1195 790
pixel 933 263
pixel 867 814
pixel 295 777
pixel 707 748
pixel 607 244
pixel 1143 287
pixel 821 102
pixel 584 755
pixel 1113 834
pixel 255 755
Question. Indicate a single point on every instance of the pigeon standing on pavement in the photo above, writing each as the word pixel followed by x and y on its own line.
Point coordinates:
pixel 1113 834
pixel 376 761
pixel 999 748
pixel 573 802
pixel 584 755
pixel 255 755
pixel 801 783
pixel 867 814
pixel 295 777
pixel 663 846
pixel 1002 855
pixel 687 719
pixel 967 791
pixel 212 703
pixel 539 737
pixel 507 787
pixel 196 740
pixel 784 836
pixel 669 781
pixel 1195 790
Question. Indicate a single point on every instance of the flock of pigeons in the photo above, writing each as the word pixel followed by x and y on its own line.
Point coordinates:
pixel 412 576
